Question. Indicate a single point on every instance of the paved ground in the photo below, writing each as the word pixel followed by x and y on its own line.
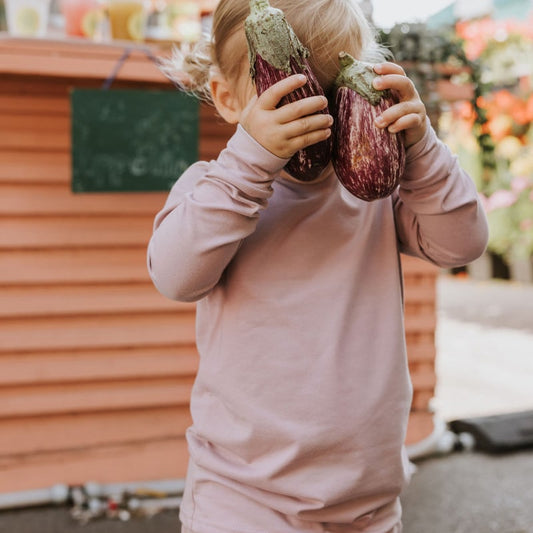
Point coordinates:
pixel 496 303
pixel 484 347
pixel 58 520
pixel 471 493
pixel 484 366
pixel 458 493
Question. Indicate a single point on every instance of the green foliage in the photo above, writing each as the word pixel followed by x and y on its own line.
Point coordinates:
pixel 420 50
pixel 511 228
pixel 502 170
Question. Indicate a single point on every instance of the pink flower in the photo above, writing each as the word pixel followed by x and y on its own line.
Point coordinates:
pixel 474 49
pixel 519 184
pixel 484 201
pixel 500 199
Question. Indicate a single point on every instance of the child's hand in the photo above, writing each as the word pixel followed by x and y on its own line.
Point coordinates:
pixel 409 114
pixel 285 130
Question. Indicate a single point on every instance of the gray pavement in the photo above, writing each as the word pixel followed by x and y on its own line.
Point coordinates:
pixel 471 492
pixel 484 342
pixel 497 303
pixel 484 366
pixel 58 520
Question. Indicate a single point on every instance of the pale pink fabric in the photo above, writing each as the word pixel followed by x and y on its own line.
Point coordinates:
pixel 302 395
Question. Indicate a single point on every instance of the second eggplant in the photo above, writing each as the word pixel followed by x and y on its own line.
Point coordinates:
pixel 368 161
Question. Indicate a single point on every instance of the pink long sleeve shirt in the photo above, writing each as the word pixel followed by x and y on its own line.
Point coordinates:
pixel 302 395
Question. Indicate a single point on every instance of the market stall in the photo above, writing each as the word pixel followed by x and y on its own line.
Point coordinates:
pixel 97 366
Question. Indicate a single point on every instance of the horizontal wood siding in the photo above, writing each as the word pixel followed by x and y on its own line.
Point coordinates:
pixel 97 367
pixel 420 280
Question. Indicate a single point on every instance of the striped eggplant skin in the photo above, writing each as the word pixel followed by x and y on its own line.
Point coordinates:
pixel 275 53
pixel 368 161
pixel 309 162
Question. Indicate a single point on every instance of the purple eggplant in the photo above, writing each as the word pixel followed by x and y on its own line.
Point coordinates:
pixel 275 53
pixel 368 161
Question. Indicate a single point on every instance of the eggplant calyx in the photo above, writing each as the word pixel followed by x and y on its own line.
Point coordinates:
pixel 269 35
pixel 359 76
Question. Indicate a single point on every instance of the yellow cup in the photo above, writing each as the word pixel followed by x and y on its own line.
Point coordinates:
pixel 127 19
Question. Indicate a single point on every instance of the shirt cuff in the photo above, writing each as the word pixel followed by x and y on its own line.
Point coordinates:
pixel 423 145
pixel 242 142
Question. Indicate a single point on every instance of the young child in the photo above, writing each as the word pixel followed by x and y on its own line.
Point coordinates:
pixel 302 396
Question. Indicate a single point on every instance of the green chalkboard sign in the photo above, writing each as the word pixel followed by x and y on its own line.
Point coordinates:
pixel 131 140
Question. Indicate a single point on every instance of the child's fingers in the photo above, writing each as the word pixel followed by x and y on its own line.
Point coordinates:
pixel 301 108
pixel 410 114
pixel 307 139
pixel 406 122
pixel 395 112
pixel 398 82
pixel 413 120
pixel 272 96
pixel 388 68
pixel 307 124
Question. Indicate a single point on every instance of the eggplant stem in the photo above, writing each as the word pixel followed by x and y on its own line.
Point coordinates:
pixel 270 35
pixel 259 4
pixel 358 75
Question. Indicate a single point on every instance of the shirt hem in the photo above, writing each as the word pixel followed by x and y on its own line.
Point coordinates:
pixel 199 526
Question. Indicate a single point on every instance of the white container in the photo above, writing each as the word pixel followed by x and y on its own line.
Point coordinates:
pixel 27 18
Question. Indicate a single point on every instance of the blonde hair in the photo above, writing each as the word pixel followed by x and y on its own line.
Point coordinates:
pixel 325 27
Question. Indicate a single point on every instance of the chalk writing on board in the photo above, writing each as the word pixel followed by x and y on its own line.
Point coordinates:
pixel 131 140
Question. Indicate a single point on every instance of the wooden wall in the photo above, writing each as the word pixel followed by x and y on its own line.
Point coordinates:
pixel 96 366
pixel 420 279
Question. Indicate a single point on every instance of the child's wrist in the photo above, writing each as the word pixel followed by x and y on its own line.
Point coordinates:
pixel 415 135
pixel 257 152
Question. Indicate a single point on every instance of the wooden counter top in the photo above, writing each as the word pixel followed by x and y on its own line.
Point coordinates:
pixel 79 58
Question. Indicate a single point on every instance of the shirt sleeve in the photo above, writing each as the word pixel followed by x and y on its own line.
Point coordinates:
pixel 438 214
pixel 209 211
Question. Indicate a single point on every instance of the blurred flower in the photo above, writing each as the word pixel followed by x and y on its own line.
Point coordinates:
pixel 499 127
pixel 503 50
pixel 500 199
pixel 520 183
pixel 484 202
pixel 522 165
pixel 465 112
pixel 529 108
pixel 509 147
pixel 508 114
pixel 504 101
pixel 478 33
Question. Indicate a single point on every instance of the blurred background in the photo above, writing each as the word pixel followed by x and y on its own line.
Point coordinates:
pixel 97 367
